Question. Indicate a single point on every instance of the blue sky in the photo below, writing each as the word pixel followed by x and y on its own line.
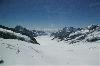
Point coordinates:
pixel 49 13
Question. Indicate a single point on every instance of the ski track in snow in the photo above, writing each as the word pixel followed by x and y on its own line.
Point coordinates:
pixel 49 52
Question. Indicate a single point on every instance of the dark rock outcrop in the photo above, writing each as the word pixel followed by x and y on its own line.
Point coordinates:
pixel 1 61
pixel 78 34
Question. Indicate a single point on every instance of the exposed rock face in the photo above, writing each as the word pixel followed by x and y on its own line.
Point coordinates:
pixel 64 33
pixel 1 60
pixel 24 31
pixel 30 33
pixel 78 34
pixel 7 35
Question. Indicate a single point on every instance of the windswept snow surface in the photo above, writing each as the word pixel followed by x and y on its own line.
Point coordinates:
pixel 49 53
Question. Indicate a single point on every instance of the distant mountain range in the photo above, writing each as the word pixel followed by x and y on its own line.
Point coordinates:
pixel 73 35
pixel 68 34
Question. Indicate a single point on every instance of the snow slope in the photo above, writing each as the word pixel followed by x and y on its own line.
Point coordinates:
pixel 17 34
pixel 49 52
pixel 9 34
pixel 15 52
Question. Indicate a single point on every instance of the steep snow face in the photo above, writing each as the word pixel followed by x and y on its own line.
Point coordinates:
pixel 48 53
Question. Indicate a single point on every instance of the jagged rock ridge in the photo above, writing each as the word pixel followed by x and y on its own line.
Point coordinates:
pixel 73 35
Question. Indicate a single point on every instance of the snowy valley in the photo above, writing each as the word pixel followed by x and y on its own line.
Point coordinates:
pixel 67 47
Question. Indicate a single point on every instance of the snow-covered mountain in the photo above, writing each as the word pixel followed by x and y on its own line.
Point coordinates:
pixel 25 31
pixel 30 33
pixel 9 34
pixel 17 50
pixel 48 53
pixel 73 35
